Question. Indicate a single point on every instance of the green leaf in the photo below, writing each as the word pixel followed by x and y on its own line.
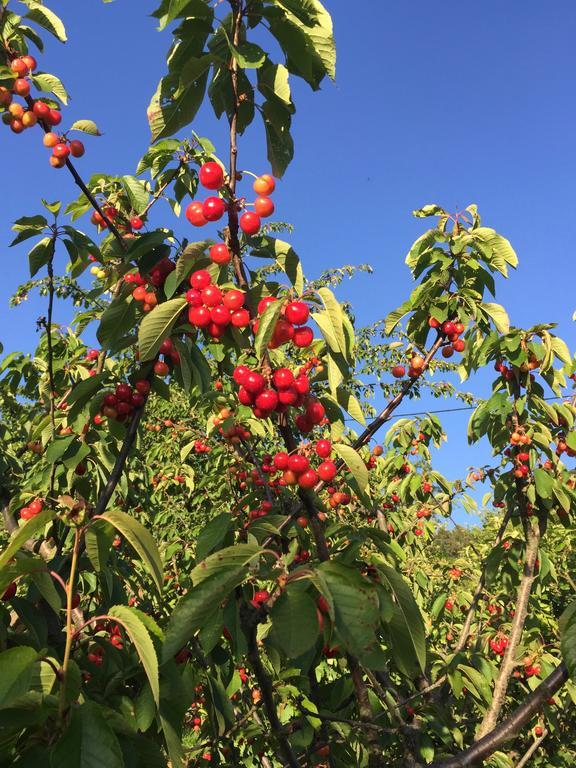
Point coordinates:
pixel 498 315
pixel 46 19
pixel 393 319
pixel 237 555
pixel 177 100
pixel 266 324
pixel 118 319
pixel 354 463
pixel 191 613
pixel 406 626
pixel 294 622
pixel 24 533
pixel 137 191
pixel 141 540
pixel 98 543
pixel 50 84
pixel 156 327
pixel 131 619
pixel 544 483
pixel 86 126
pixel 41 254
pixel 567 625
pixel 350 405
pixel 561 350
pixel 88 742
pixel 277 120
pixel 273 82
pixel 248 55
pixel 16 667
pixel 213 534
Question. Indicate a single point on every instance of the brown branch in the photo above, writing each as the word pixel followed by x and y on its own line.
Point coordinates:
pixel 486 746
pixel 509 660
pixel 532 749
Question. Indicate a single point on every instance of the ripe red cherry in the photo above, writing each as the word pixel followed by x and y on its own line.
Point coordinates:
pixel 267 400
pixel 54 117
pixel 448 328
pixel 297 312
pixel 195 215
pixel 264 303
pixel 199 316
pixel 5 97
pixel 283 378
pixel 61 150
pixel 298 463
pixel 211 295
pixel 264 185
pixel 433 323
pixel 233 299
pixel 77 150
pixel 135 222
pixel 459 345
pixel 447 352
pixel 220 315
pixel 260 598
pixel 240 373
pixel 19 66
pixel 9 592
pixel 283 332
pixel 327 471
pixel 123 392
pixel 264 206
pixel 200 279
pixel 194 297
pixel 323 448
pixel 245 397
pixel 288 396
pixel 240 318
pixel 213 208
pixel 21 87
pixel 280 461
pixel 303 336
pixel 302 384
pixel 220 254
pixel 30 62
pixel 254 382
pixel 166 347
pixel 41 109
pixel 161 368
pixel 250 223
pixel 315 412
pixel 308 479
pixel 36 506
pixel 211 175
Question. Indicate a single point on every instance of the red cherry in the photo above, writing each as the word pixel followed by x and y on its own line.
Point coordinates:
pixel 250 223
pixel 327 471
pixel 30 62
pixel 267 400
pixel 199 316
pixel 123 392
pixel 288 397
pixel 254 382
pixel 245 397
pixel 9 592
pixel 303 336
pixel 211 295
pixel 280 461
pixel 136 223
pixel 194 297
pixel 36 506
pixel 323 448
pixel 298 463
pixel 260 597
pixel 161 368
pixel 264 185
pixel 213 208
pixel 302 384
pixel 200 279
pixel 61 151
pixel 195 215
pixel 264 206
pixel 211 175
pixel 219 314
pixel 398 371
pixel 240 318
pixel 264 303
pixel 233 299
pixel 220 254
pixel 308 479
pixel 77 150
pixel 447 352
pixel 459 345
pixel 297 312
pixel 5 97
pixel 283 332
pixel 315 413
pixel 283 378
pixel 240 373
pixel 54 117
pixel 448 328
pixel 21 87
pixel 166 347
pixel 19 66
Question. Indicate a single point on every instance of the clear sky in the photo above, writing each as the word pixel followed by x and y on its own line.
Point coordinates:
pixel 447 103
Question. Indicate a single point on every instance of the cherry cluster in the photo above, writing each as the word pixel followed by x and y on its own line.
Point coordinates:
pixel 211 308
pixel 499 645
pixel 62 148
pixel 290 326
pixel 119 404
pixel 33 509
pixel 452 332
pixel 18 116
pixel 127 225
pixel 96 652
pixel 261 511
pixel 143 292
pixel 297 470
pixel 212 209
pixel 201 447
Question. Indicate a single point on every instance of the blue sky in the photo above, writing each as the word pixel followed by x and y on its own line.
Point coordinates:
pixel 433 103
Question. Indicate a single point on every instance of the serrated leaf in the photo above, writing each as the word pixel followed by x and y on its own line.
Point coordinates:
pixel 544 483
pixel 567 626
pixel 156 326
pixel 354 463
pixel 141 540
pixel 16 667
pixel 86 126
pixel 498 314
pixel 248 55
pixel 46 19
pixel 50 84
pixel 137 192
pixel 294 623
pixel 24 533
pixel 40 254
pixel 406 627
pixel 131 619
pixel 88 742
